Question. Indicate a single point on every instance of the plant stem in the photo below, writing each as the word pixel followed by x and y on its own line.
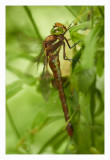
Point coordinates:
pixel 101 11
pixel 92 110
pixel 73 13
pixel 91 17
pixel 12 122
pixel 33 22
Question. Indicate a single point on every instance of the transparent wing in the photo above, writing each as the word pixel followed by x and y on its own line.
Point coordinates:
pixel 31 48
pixel 45 80
pixel 29 44
pixel 40 57
pixel 34 47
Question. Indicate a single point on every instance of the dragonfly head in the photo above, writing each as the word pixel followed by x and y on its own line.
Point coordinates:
pixel 58 29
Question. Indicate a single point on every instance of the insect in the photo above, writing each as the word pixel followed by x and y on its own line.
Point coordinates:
pixel 52 45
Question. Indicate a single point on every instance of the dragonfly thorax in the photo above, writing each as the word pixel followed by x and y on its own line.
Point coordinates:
pixel 52 43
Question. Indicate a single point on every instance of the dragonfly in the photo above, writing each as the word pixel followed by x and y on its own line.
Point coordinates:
pixel 52 45
pixel 50 52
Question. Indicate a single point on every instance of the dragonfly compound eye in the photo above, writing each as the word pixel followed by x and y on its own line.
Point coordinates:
pixel 57 30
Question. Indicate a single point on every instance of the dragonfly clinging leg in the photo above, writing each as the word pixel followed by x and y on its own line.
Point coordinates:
pixel 64 54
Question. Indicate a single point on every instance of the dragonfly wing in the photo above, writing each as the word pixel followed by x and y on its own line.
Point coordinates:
pixel 45 80
pixel 40 57
pixel 32 48
pixel 29 44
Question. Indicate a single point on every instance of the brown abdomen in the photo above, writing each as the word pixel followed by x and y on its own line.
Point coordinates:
pixel 54 64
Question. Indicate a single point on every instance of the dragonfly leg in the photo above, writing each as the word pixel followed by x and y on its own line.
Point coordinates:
pixel 65 57
pixel 64 54
pixel 69 44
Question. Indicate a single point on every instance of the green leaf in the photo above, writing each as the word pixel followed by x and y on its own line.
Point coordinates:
pixel 83 80
pixel 87 59
pixel 100 64
pixel 79 27
pixel 76 59
pixel 83 130
pixel 84 103
pixel 13 89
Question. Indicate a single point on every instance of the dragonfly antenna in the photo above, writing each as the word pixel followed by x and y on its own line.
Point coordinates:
pixel 69 27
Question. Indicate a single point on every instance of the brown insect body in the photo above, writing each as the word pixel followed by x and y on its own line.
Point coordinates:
pixel 52 46
pixel 52 43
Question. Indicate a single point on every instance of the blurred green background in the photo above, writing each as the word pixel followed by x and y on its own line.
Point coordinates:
pixel 34 118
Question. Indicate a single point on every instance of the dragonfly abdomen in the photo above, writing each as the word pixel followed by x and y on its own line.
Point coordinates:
pixel 54 64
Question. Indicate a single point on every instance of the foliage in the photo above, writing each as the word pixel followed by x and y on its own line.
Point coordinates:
pixel 34 121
